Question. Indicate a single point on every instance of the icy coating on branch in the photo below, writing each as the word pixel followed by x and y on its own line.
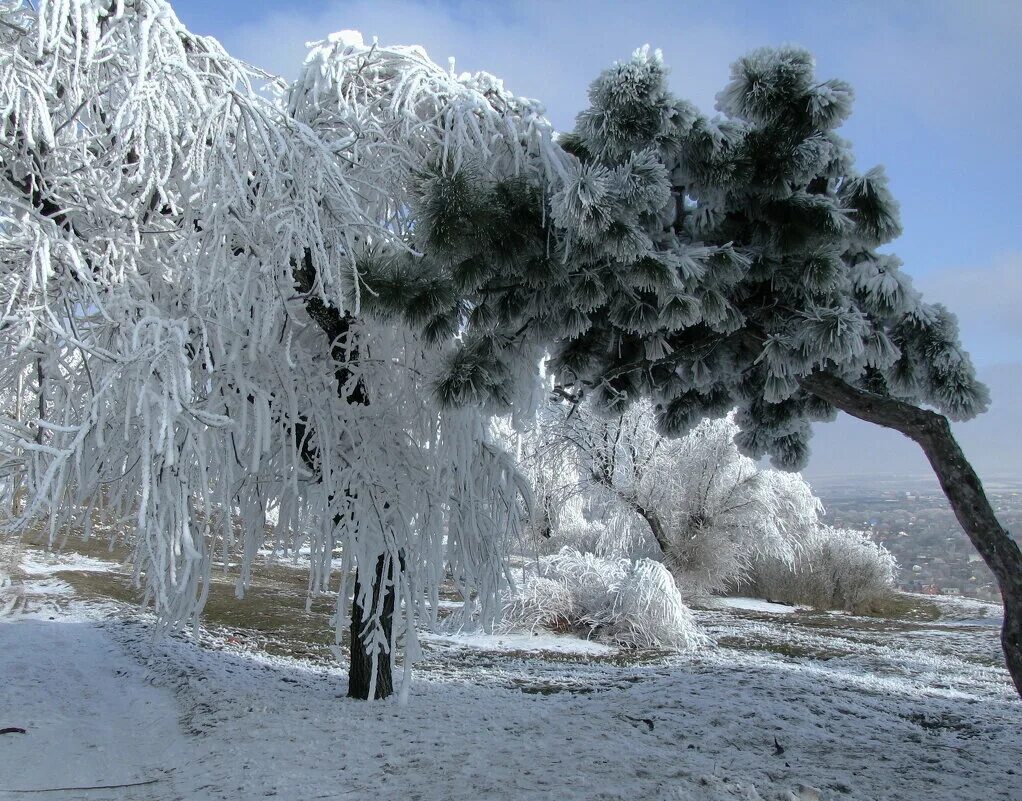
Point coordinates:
pixel 181 241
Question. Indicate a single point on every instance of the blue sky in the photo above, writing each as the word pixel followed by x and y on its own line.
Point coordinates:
pixel 938 103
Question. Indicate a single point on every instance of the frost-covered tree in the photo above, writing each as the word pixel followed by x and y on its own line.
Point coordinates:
pixel 180 263
pixel 712 264
pixel 816 320
pixel 694 502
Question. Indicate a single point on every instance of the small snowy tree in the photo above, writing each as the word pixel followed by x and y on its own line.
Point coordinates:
pixel 695 501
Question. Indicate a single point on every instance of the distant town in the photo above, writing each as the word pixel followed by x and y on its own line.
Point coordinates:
pixel 912 518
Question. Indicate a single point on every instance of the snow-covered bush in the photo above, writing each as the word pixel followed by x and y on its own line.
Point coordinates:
pixel 840 569
pixel 694 503
pixel 636 604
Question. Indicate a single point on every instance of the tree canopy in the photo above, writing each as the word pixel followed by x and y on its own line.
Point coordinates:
pixel 707 263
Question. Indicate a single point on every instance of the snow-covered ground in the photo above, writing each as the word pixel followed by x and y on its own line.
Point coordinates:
pixel 862 709
pixel 91 713
pixel 754 605
pixel 539 642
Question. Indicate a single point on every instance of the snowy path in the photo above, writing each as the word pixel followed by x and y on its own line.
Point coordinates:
pixel 91 715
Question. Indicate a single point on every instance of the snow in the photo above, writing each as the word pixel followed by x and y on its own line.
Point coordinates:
pixel 346 39
pixel 754 605
pixel 261 728
pixel 552 643
pixel 966 609
pixel 44 563
pixel 904 711
pixel 40 597
pixel 91 714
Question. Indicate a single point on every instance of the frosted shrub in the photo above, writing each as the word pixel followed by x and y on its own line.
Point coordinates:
pixel 635 604
pixel 863 570
pixel 651 612
pixel 540 603
pixel 841 569
pixel 694 503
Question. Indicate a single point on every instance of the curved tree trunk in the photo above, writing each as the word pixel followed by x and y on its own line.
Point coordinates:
pixel 961 485
pixel 652 519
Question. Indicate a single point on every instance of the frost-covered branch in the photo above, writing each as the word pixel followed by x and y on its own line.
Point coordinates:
pixel 178 227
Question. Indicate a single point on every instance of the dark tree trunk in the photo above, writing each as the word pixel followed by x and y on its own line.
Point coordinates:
pixel 360 672
pixel 655 525
pixel 961 485
pixel 337 327
pixel 40 373
pixel 603 473
pixel 652 519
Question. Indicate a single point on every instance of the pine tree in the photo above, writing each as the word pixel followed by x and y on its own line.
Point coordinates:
pixel 713 264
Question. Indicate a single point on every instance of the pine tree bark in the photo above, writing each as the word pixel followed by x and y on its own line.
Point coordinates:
pixel 360 671
pixel 961 485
